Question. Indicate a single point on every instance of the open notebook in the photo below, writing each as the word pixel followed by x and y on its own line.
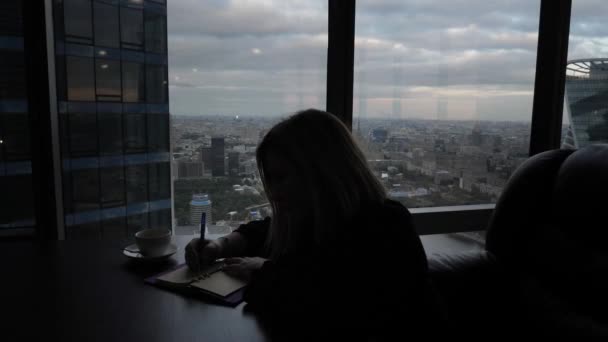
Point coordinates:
pixel 211 281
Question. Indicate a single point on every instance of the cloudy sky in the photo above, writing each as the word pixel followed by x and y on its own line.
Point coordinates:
pixel 457 59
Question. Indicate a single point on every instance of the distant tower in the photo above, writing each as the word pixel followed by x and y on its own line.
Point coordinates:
pixel 233 163
pixel 587 105
pixel 200 203
pixel 218 168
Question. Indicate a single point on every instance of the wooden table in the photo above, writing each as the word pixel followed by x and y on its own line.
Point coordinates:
pixel 89 291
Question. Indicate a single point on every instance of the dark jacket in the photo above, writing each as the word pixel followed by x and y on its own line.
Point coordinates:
pixel 373 283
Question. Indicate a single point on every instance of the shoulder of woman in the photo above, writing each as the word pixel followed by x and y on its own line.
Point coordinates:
pixel 388 210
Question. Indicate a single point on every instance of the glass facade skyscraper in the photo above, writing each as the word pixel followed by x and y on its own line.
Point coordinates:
pixel 112 95
pixel 587 100
pixel 16 190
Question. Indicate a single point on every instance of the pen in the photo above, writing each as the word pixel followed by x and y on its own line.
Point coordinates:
pixel 202 241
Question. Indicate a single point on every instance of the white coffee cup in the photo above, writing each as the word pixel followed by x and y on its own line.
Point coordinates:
pixel 153 242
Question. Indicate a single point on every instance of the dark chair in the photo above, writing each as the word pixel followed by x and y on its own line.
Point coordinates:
pixel 545 267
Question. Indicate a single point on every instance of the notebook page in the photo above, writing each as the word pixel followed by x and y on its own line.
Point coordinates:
pixel 184 275
pixel 219 283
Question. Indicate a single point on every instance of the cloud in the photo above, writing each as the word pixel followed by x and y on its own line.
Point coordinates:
pixel 269 56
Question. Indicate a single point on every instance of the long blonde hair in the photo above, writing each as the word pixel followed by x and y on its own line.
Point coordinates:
pixel 335 173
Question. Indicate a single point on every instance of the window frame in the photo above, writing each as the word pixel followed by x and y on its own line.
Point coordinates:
pixel 553 35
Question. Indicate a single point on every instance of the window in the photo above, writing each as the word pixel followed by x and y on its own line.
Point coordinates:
pixel 106 25
pixel 133 82
pixel 135 133
pixel 156 84
pixel 107 80
pixel 232 75
pixel 15 136
pixel 112 180
pixel 443 98
pixel 11 18
pixel 85 190
pixel 132 28
pixel 83 134
pixel 156 32
pixel 110 133
pixel 137 184
pixel 77 20
pixel 80 79
pixel 12 75
pixel 159 178
pixel 586 96
pixel 157 128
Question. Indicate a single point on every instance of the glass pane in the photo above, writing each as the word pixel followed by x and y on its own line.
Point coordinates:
pixel 110 133
pixel 135 133
pixel 586 98
pixel 132 27
pixel 107 80
pixel 443 96
pixel 12 75
pixel 156 84
pixel 158 133
pixel 15 136
pixel 160 219
pixel 136 223
pixel 106 25
pixel 85 190
pixel 80 79
pixel 115 228
pixel 232 75
pixel 159 177
pixel 156 32
pixel 137 183
pixel 88 231
pixel 83 135
pixel 11 18
pixel 133 82
pixel 112 187
pixel 77 18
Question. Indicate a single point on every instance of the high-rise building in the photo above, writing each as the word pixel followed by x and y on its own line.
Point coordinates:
pixel 218 167
pixel 233 163
pixel 587 100
pixel 206 158
pixel 200 203
pixel 112 95
pixel 188 169
pixel 16 183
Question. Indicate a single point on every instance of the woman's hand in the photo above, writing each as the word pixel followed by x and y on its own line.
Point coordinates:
pixel 201 253
pixel 243 267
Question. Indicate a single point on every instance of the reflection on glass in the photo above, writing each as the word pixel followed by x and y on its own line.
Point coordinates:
pixel 12 70
pixel 107 80
pixel 115 228
pixel 15 136
pixel 83 134
pixel 85 190
pixel 80 79
pixel 135 133
pixel 77 18
pixel 110 133
pixel 158 133
pixel 160 219
pixel 586 106
pixel 443 111
pixel 112 187
pixel 133 82
pixel 106 25
pixel 233 83
pixel 156 84
pixel 88 231
pixel 137 183
pixel 156 32
pixel 159 177
pixel 132 27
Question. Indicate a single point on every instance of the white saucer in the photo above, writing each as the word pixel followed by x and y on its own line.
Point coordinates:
pixel 132 252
